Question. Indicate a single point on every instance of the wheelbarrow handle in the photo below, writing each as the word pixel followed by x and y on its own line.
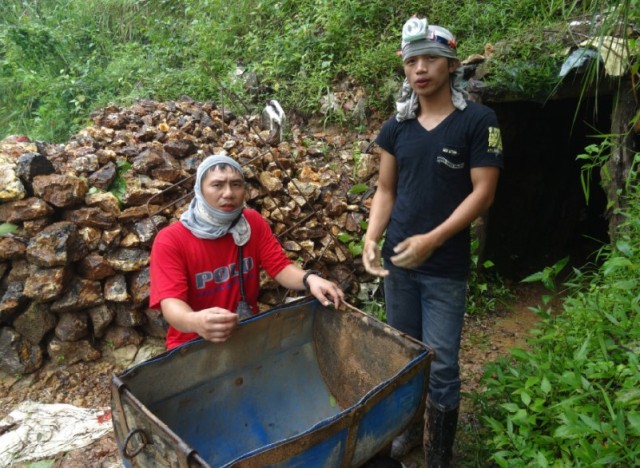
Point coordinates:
pixel 143 443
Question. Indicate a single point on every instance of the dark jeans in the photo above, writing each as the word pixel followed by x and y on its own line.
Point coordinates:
pixel 430 309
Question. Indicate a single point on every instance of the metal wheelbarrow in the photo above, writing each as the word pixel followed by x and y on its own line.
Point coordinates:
pixel 300 385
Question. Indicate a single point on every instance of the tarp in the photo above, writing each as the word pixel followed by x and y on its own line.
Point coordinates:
pixel 613 51
pixel 36 430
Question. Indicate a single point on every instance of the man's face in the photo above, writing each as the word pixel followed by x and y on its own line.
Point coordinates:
pixel 428 75
pixel 223 188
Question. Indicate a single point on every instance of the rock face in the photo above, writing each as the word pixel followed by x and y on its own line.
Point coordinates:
pixel 78 219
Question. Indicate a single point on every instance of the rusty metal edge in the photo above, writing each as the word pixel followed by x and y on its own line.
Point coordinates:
pixel 295 446
pixel 186 454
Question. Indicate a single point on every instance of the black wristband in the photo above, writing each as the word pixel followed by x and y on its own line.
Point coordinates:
pixel 306 276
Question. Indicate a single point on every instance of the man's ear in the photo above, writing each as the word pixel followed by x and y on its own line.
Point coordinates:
pixel 453 65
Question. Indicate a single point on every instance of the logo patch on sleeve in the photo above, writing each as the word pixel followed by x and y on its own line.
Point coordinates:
pixel 495 140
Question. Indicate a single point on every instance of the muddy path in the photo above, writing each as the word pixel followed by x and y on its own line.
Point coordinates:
pixel 485 338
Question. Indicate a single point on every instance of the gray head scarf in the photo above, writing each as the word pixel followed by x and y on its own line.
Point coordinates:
pixel 206 222
pixel 419 38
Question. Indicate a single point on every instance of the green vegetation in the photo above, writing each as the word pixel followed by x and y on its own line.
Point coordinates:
pixel 119 185
pixel 573 398
pixel 7 228
pixel 487 290
pixel 61 59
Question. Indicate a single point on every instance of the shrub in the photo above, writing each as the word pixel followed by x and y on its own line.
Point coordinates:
pixel 574 397
pixel 59 60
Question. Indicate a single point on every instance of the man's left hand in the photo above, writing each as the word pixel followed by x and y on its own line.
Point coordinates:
pixel 413 251
pixel 325 291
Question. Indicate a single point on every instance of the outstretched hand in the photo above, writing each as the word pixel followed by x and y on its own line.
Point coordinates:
pixel 371 259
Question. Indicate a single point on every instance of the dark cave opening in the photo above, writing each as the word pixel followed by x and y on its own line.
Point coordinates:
pixel 540 214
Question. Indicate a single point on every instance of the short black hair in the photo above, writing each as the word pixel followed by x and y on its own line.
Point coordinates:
pixel 223 166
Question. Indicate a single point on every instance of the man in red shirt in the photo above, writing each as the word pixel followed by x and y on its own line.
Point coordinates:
pixel 197 263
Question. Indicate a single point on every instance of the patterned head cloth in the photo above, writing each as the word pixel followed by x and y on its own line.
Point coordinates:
pixel 420 38
pixel 206 222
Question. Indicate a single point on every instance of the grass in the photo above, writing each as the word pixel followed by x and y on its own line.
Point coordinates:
pixel 61 59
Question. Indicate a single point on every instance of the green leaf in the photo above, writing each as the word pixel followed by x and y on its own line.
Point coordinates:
pixel 616 263
pixel 531 381
pixel 546 299
pixel 345 237
pixel 582 352
pixel 358 188
pixel 541 460
pixel 625 248
pixel 501 458
pixel 611 318
pixel 495 425
pixel 634 422
pixel 545 386
pixel 521 417
pixel 570 431
pixel 538 276
pixel 123 166
pixel 520 353
pixel 510 407
pixel 629 396
pixel 560 264
pixel 620 428
pixel 356 248
pixel 7 228
pixel 41 464
pixel 590 422
pixel 571 379
pixel 628 285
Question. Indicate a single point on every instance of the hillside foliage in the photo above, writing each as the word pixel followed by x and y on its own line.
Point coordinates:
pixel 571 399
pixel 61 59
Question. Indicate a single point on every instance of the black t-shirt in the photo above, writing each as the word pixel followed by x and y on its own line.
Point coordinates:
pixel 434 178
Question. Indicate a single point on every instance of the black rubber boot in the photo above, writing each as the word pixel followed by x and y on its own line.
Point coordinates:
pixel 440 432
pixel 382 461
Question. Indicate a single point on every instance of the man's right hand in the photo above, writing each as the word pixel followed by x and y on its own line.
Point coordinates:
pixel 371 259
pixel 215 324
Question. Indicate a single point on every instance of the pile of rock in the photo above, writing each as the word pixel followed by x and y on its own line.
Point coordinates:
pixel 77 220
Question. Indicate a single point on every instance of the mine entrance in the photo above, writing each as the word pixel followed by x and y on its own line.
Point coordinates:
pixel 540 214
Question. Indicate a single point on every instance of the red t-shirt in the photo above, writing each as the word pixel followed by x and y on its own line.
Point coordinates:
pixel 203 272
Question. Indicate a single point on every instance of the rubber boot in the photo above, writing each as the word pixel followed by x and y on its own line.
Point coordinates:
pixel 411 438
pixel 382 461
pixel 440 432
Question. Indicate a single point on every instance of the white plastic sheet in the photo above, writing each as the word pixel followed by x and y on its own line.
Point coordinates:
pixel 36 430
pixel 613 51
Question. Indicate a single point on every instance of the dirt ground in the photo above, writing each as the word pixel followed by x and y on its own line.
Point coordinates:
pixel 87 385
